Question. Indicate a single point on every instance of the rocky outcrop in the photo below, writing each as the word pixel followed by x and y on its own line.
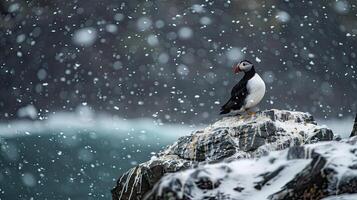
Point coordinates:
pixel 311 171
pixel 225 142
pixel 250 136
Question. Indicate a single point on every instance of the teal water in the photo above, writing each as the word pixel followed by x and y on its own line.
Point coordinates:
pixel 78 161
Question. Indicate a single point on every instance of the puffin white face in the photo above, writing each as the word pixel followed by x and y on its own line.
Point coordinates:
pixel 244 66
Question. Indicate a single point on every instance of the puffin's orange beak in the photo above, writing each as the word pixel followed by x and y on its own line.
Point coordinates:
pixel 236 69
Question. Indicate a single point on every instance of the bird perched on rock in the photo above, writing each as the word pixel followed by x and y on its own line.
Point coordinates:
pixel 248 92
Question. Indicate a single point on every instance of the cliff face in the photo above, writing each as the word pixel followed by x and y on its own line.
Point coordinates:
pixel 236 158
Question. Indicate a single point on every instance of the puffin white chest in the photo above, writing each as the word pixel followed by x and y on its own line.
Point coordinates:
pixel 256 91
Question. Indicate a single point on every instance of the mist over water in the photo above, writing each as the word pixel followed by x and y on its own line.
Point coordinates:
pixel 76 155
pixel 341 127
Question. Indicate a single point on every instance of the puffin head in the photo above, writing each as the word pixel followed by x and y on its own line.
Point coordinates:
pixel 244 66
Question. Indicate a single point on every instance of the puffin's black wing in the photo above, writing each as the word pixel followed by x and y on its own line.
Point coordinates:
pixel 238 95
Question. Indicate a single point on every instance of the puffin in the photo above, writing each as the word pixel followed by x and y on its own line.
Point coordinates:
pixel 247 93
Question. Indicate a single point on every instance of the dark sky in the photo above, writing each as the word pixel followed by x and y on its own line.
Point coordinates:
pixel 171 60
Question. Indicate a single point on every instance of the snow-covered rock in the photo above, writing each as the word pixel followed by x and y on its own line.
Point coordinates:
pixel 188 164
pixel 311 171
pixel 250 136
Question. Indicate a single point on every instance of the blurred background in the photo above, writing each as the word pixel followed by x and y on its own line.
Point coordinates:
pixel 90 88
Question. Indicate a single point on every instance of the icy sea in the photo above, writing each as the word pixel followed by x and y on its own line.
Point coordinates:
pixel 74 155
pixel 80 156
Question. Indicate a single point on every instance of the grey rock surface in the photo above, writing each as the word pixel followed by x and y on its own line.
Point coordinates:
pixel 228 140
pixel 249 136
pixel 313 171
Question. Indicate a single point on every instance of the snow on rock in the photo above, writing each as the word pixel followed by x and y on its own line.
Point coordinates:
pixel 228 140
pixel 236 180
pixel 311 171
pixel 250 136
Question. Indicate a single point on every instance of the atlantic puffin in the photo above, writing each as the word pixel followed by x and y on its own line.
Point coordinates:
pixel 247 93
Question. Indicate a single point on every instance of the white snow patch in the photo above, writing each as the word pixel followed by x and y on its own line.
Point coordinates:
pixel 245 173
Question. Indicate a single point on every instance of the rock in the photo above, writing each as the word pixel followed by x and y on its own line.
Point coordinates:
pixel 250 137
pixel 225 141
pixel 354 129
pixel 135 183
pixel 311 171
